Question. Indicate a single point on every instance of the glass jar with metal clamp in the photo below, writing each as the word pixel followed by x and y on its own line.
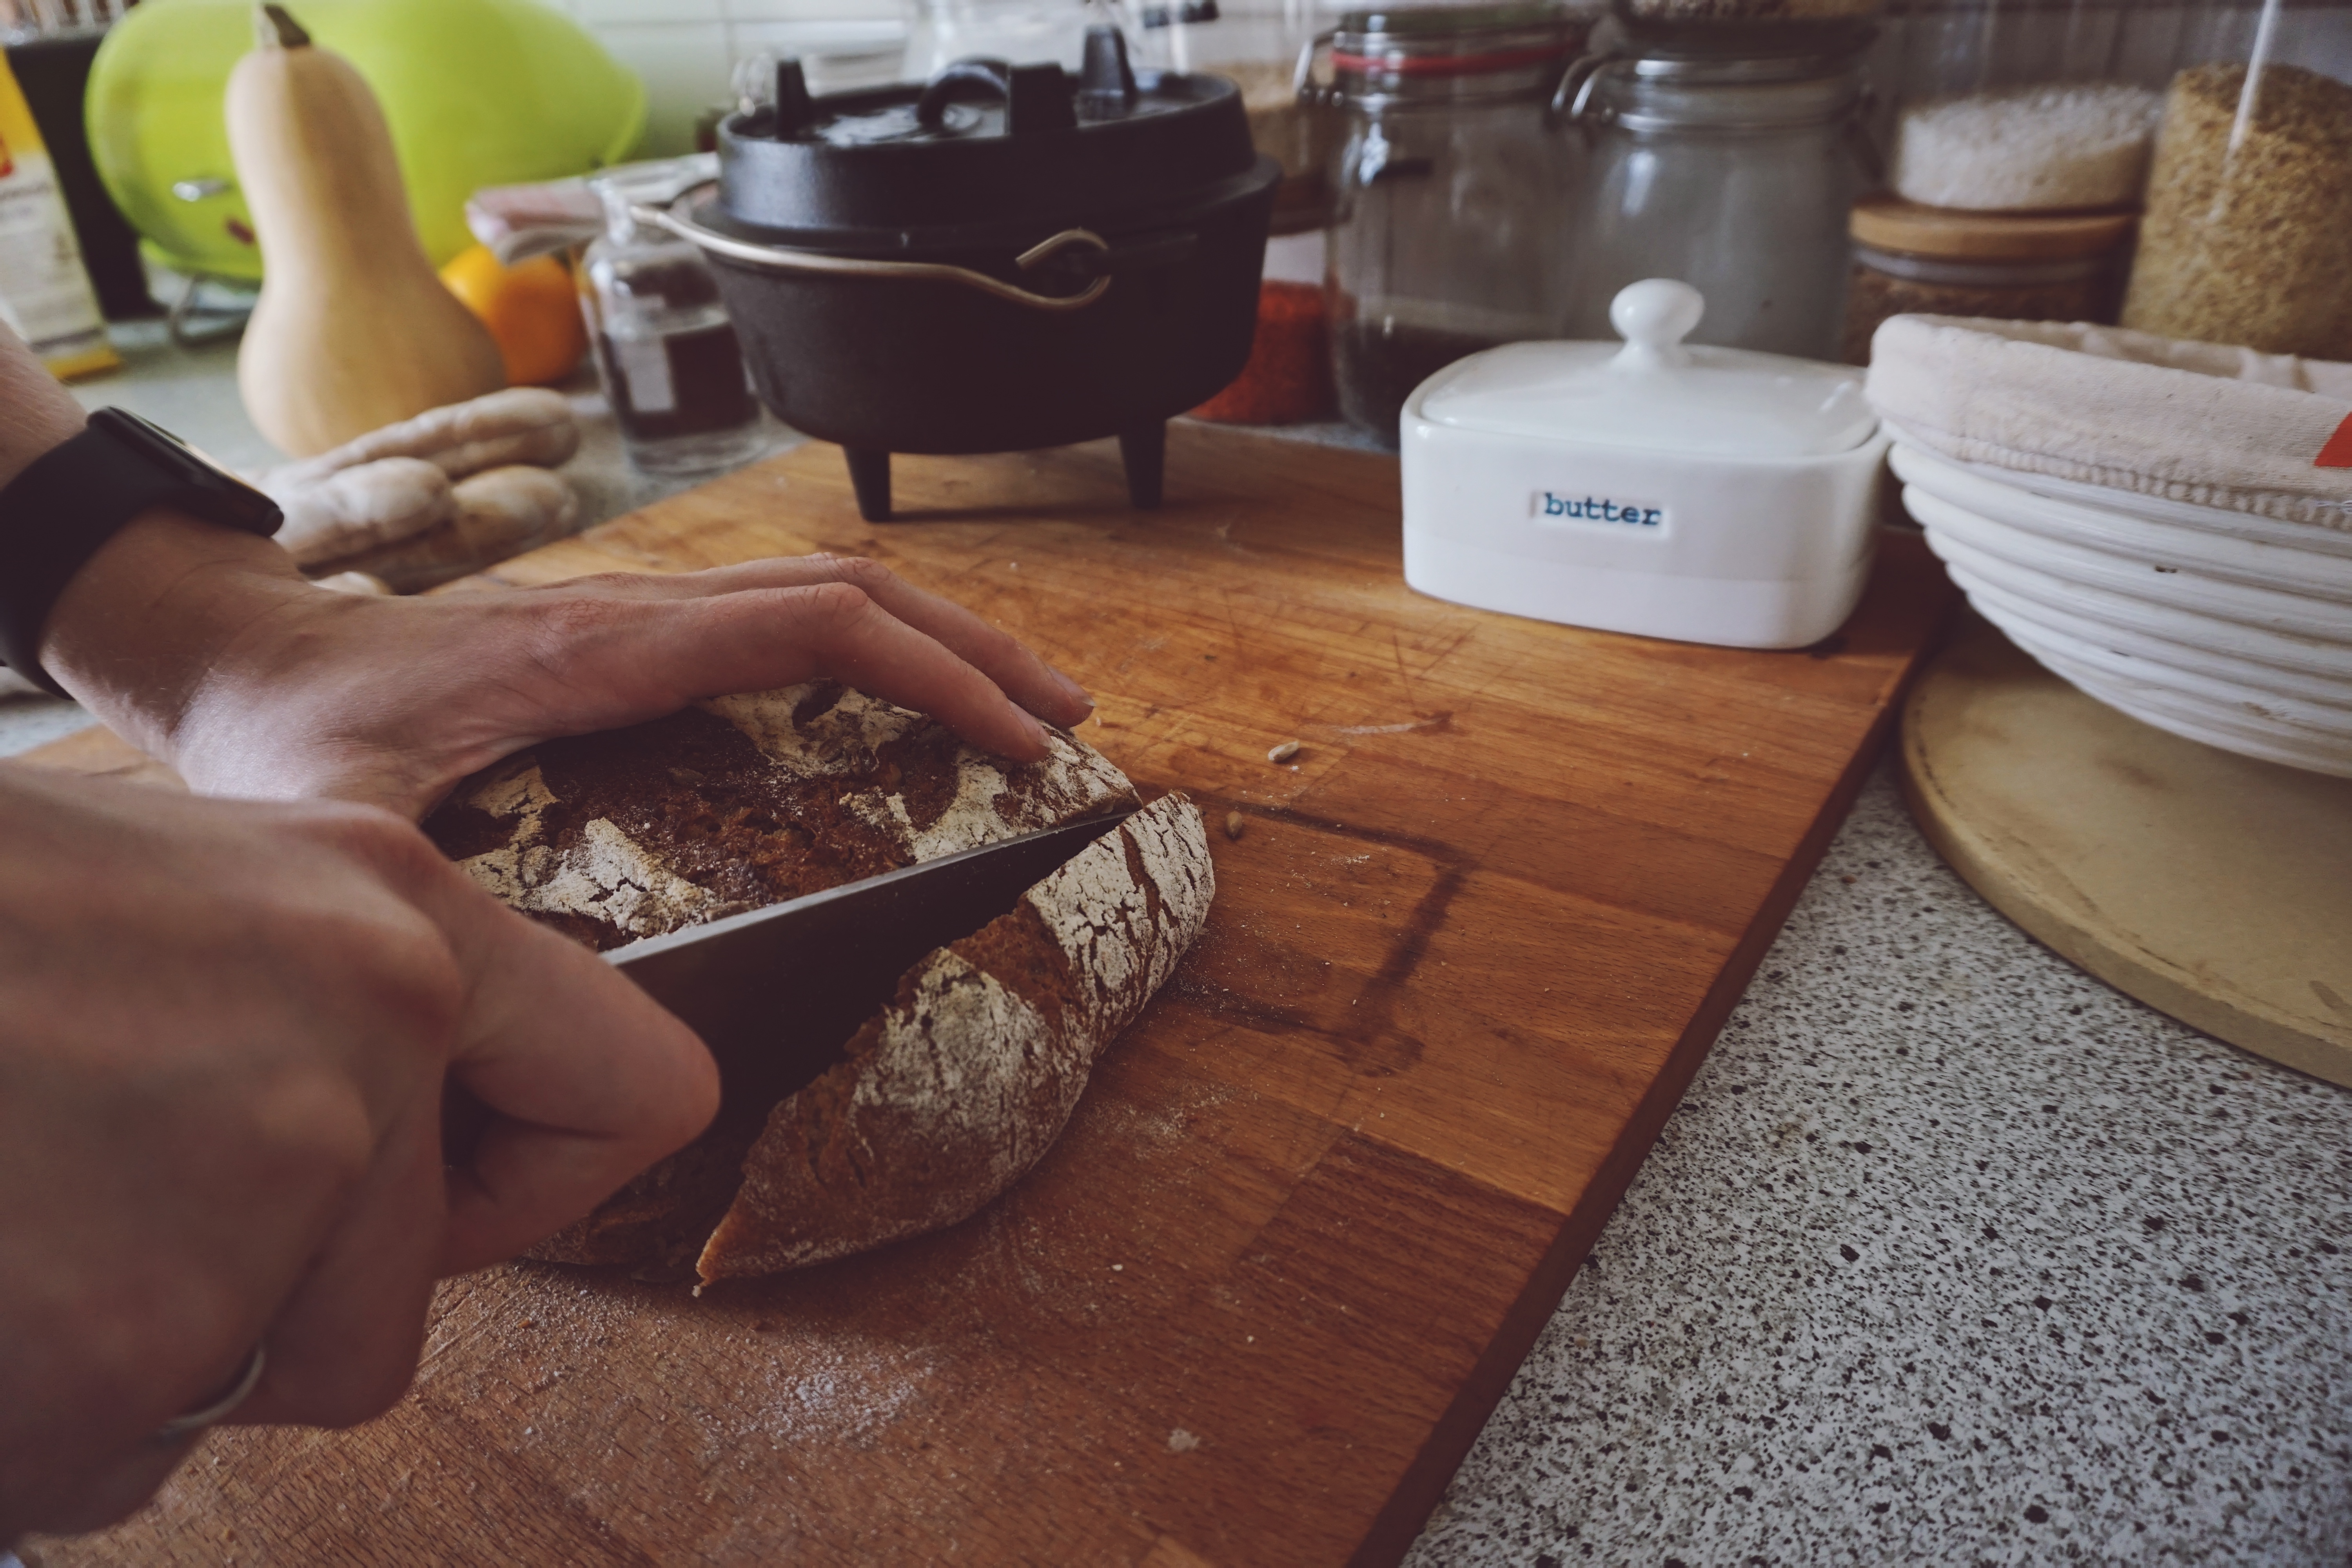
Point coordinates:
pixel 1733 173
pixel 1445 236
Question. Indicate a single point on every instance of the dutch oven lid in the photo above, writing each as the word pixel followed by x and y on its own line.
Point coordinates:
pixel 983 144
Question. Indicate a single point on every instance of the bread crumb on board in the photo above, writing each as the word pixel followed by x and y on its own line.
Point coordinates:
pixel 1284 752
pixel 1233 825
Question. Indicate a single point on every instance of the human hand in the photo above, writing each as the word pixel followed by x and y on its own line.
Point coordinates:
pixel 225 1034
pixel 208 649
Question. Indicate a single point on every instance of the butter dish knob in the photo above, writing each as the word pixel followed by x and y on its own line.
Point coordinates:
pixel 1653 316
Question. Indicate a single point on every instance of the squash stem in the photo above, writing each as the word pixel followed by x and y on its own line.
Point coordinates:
pixel 274 29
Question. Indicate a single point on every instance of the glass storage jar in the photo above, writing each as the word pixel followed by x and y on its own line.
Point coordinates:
pixel 1733 174
pixel 2023 105
pixel 665 351
pixel 1259 45
pixel 2249 194
pixel 1445 236
pixel 2017 267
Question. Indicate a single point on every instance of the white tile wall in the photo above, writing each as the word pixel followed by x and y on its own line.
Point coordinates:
pixel 686 49
pixel 743 11
pixel 599 13
pixel 684 66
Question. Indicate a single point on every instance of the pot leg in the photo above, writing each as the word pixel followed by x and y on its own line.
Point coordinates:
pixel 1145 453
pixel 869 476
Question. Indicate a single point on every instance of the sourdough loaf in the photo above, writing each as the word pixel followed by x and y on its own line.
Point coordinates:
pixel 949 1095
pixel 744 801
pixel 966 1077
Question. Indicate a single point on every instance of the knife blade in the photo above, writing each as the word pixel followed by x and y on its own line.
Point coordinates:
pixel 775 992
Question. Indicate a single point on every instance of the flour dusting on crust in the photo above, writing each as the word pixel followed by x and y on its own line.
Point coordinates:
pixel 854 734
pixel 1106 907
pixel 959 1086
pixel 743 801
pixel 964 1062
pixel 964 1081
pixel 841 738
pixel 604 876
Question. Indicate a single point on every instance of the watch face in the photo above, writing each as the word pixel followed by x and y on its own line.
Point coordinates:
pixel 228 499
pixel 174 446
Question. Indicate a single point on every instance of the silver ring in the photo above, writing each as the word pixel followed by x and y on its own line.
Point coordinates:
pixel 195 1421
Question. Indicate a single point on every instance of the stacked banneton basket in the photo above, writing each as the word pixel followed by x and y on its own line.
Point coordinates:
pixel 2166 525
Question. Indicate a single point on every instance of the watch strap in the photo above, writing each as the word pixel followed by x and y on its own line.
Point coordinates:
pixel 74 498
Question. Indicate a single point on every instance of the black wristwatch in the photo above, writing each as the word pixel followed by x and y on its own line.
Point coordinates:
pixel 56 514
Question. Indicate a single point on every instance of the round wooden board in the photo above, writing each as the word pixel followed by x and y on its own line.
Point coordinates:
pixel 2212 886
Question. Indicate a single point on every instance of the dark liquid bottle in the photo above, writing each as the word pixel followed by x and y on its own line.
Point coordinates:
pixel 681 383
pixel 1378 363
pixel 671 363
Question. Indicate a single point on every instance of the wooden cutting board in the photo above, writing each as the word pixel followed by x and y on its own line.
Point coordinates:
pixel 2210 886
pixel 1255 1305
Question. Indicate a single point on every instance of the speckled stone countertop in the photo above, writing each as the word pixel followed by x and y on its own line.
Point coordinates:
pixel 1952 1255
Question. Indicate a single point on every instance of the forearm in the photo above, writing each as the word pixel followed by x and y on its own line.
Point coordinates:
pixel 205 647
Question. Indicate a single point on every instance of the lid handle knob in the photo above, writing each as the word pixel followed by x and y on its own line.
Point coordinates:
pixel 1105 82
pixel 1653 316
pixel 795 110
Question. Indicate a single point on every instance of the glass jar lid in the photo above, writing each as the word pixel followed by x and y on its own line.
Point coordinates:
pixel 1890 223
pixel 1432 49
pixel 1672 91
pixel 1653 392
pixel 1734 27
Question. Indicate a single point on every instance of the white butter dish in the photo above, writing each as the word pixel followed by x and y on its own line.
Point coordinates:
pixel 1704 494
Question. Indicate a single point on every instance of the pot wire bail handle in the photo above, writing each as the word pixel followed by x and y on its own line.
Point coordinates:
pixel 784 259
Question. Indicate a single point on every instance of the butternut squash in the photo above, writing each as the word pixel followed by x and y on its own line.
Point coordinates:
pixel 354 330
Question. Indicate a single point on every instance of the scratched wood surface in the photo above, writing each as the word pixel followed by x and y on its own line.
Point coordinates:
pixel 1255 1305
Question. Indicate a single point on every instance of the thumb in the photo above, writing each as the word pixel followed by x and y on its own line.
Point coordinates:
pixel 585 1079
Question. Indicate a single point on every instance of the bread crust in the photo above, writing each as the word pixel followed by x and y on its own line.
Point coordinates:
pixel 957 1087
pixel 745 801
pixel 961 1084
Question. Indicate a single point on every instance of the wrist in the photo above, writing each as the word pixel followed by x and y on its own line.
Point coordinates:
pixel 150 627
pixel 36 413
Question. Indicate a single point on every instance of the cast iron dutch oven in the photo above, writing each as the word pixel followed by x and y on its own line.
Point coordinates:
pixel 1003 258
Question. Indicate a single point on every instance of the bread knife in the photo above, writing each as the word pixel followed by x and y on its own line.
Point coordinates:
pixel 775 992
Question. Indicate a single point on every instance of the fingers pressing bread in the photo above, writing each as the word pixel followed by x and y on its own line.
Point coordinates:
pixel 781 636
pixel 1025 676
pixel 390 702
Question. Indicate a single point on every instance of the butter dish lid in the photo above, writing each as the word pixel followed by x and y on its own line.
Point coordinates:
pixel 1653 392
